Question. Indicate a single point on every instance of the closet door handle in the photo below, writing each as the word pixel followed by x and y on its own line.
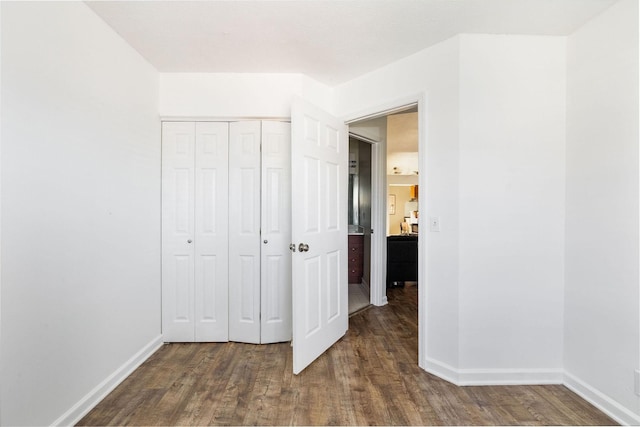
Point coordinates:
pixel 303 247
pixel 189 241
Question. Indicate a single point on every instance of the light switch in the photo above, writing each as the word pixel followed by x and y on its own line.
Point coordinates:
pixel 434 224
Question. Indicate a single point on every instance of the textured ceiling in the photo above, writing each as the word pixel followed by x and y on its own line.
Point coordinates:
pixel 331 41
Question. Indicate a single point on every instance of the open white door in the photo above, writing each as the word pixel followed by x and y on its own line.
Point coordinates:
pixel 319 160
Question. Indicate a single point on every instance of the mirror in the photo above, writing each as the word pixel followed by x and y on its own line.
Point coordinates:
pixel 354 187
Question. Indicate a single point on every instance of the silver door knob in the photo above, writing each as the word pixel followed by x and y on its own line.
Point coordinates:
pixel 303 247
pixel 189 241
pixel 265 241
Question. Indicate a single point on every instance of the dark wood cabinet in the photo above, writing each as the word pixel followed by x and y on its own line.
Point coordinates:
pixel 356 251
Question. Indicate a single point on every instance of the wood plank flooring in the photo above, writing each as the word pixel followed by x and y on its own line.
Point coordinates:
pixel 370 377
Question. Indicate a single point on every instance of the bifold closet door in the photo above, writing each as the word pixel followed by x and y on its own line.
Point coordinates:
pixel 194 231
pixel 178 173
pixel 260 232
pixel 244 231
pixel 212 232
pixel 276 233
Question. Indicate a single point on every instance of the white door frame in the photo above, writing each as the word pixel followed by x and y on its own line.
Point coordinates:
pixel 379 208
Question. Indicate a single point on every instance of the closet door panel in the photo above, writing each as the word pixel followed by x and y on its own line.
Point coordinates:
pixel 178 144
pixel 276 232
pixel 244 231
pixel 211 231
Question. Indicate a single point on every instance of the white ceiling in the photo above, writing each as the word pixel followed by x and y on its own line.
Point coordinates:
pixel 331 41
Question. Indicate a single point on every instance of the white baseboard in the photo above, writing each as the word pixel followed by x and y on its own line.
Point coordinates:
pixel 441 370
pixel 509 376
pixel 80 409
pixel 478 377
pixel 601 401
pixel 465 377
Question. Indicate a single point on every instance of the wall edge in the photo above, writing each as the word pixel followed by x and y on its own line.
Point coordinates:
pixel 95 396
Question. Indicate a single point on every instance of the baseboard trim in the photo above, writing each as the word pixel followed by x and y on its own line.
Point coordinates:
pixel 483 377
pixel 441 370
pixel 600 400
pixel 84 405
pixel 509 376
pixel 469 377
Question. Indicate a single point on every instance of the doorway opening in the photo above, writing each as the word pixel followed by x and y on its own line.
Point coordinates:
pixel 394 135
pixel 403 199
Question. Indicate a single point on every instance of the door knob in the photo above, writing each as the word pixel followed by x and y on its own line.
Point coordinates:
pixel 265 241
pixel 303 247
pixel 189 241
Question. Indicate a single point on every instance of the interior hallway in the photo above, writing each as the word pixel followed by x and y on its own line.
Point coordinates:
pixel 370 377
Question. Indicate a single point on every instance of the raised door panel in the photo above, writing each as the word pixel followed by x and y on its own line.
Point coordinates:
pixel 211 231
pixel 244 231
pixel 178 192
pixel 276 232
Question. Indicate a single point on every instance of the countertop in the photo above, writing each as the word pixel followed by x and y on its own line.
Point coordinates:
pixel 355 230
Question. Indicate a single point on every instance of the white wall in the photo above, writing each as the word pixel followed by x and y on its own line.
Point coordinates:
pixel 80 209
pixel 602 332
pixel 1 132
pixel 433 71
pixel 494 123
pixel 234 95
pixel 511 189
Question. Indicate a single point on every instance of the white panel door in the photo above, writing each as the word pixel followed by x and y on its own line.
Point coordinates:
pixel 211 232
pixel 319 159
pixel 244 231
pixel 276 233
pixel 178 141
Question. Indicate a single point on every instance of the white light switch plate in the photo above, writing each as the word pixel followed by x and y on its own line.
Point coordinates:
pixel 434 224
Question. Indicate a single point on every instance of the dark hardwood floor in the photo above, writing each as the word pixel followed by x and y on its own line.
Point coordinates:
pixel 370 377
